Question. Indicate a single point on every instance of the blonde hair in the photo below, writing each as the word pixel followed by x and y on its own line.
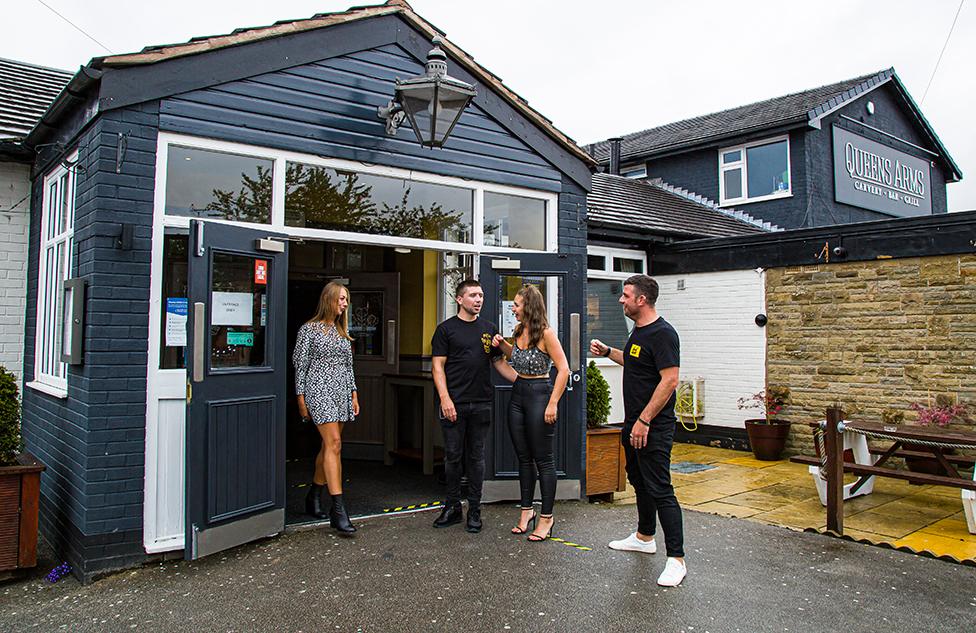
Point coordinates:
pixel 533 315
pixel 328 310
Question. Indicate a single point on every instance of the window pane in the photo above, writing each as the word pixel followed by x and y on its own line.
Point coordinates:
pixel 238 312
pixel 767 168
pixel 596 262
pixel 64 213
pixel 733 183
pixel 515 221
pixel 627 265
pixel 324 198
pixel 57 316
pixel 52 209
pixel 455 268
pixel 175 304
pixel 731 157
pixel 207 184
pixel 604 314
pixel 634 172
pixel 366 322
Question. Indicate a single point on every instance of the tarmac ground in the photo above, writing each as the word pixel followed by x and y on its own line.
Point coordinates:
pixel 399 574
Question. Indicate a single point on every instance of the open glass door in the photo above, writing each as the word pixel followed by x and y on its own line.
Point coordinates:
pixel 237 357
pixel 561 279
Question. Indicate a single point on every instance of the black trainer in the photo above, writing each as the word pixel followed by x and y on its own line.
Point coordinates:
pixel 473 524
pixel 449 516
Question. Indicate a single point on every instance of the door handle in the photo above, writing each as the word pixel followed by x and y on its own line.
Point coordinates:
pixel 574 341
pixel 391 342
pixel 199 323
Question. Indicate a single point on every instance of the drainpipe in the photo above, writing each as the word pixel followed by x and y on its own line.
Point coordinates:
pixel 615 155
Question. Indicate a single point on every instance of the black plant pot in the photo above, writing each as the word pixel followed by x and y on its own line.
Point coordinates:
pixel 767 438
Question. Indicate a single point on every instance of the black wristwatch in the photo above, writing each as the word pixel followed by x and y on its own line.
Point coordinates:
pixel 645 423
pixel 607 354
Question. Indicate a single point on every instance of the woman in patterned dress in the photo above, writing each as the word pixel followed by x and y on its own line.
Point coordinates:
pixel 326 389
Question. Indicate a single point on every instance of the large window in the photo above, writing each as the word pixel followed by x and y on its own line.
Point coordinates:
pixel 208 184
pixel 57 230
pixel 754 172
pixel 314 197
pixel 325 198
pixel 607 268
pixel 515 221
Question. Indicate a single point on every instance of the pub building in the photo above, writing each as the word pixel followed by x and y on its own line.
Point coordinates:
pixel 191 201
pixel 706 204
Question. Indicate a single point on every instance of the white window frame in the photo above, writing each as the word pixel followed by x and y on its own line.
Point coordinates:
pixel 607 272
pixel 281 157
pixel 634 171
pixel 742 164
pixel 50 283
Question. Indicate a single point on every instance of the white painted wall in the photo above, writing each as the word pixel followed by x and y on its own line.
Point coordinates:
pixel 714 316
pixel 14 228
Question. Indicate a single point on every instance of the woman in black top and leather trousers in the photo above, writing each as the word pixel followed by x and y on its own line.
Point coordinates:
pixel 534 405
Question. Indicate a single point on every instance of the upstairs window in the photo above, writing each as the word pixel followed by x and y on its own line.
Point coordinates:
pixel 634 171
pixel 754 171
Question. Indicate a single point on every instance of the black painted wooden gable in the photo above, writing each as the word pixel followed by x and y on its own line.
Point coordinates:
pixel 328 108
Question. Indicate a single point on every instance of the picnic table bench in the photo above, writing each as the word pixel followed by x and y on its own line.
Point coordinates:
pixel 840 435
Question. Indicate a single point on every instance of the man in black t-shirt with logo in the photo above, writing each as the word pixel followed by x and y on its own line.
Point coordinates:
pixel 462 360
pixel 650 359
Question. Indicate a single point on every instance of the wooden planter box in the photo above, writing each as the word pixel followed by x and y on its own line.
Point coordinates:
pixel 605 462
pixel 20 491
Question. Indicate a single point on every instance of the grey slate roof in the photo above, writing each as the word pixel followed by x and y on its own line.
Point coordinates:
pixel 626 203
pixel 792 109
pixel 26 91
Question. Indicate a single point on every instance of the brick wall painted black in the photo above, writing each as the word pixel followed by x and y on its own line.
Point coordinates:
pixel 93 442
pixel 811 166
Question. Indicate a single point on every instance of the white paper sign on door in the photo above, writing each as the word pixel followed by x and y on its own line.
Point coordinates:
pixel 508 319
pixel 176 311
pixel 232 308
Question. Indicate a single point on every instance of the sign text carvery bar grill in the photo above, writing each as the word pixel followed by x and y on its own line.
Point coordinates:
pixel 873 176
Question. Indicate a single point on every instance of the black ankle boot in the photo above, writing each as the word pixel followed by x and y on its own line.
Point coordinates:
pixel 338 518
pixel 449 516
pixel 473 524
pixel 313 502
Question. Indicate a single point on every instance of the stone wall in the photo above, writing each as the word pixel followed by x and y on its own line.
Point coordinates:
pixel 871 336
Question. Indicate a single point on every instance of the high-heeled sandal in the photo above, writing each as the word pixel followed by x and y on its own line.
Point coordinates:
pixel 534 538
pixel 519 530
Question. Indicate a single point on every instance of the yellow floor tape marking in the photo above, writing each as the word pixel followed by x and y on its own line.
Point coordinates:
pixel 412 507
pixel 581 548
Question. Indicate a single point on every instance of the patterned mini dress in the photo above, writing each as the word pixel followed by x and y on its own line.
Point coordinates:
pixel 323 372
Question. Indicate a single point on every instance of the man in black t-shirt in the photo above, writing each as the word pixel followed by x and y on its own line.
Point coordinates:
pixel 651 359
pixel 462 360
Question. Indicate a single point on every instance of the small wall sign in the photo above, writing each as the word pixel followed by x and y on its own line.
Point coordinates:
pixel 261 271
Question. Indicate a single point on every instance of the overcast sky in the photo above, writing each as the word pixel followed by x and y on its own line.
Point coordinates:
pixel 600 69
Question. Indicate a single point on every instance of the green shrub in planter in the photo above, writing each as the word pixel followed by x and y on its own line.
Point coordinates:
pixel 9 417
pixel 597 397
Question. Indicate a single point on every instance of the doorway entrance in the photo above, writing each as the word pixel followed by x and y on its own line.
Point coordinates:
pixel 395 303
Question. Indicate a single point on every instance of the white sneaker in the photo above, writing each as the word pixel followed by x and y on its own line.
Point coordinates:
pixel 674 572
pixel 634 544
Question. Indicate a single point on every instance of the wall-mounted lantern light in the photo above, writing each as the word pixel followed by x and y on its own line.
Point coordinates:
pixel 432 103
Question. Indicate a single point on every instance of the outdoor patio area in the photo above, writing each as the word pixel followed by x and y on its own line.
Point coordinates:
pixel 734 484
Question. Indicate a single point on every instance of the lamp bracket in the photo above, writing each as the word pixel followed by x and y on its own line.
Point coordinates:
pixel 394 115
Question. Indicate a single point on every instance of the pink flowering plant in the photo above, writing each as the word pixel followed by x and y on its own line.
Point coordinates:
pixel 942 412
pixel 770 400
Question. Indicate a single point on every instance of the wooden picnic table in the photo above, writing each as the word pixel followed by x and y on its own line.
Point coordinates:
pixel 923 441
